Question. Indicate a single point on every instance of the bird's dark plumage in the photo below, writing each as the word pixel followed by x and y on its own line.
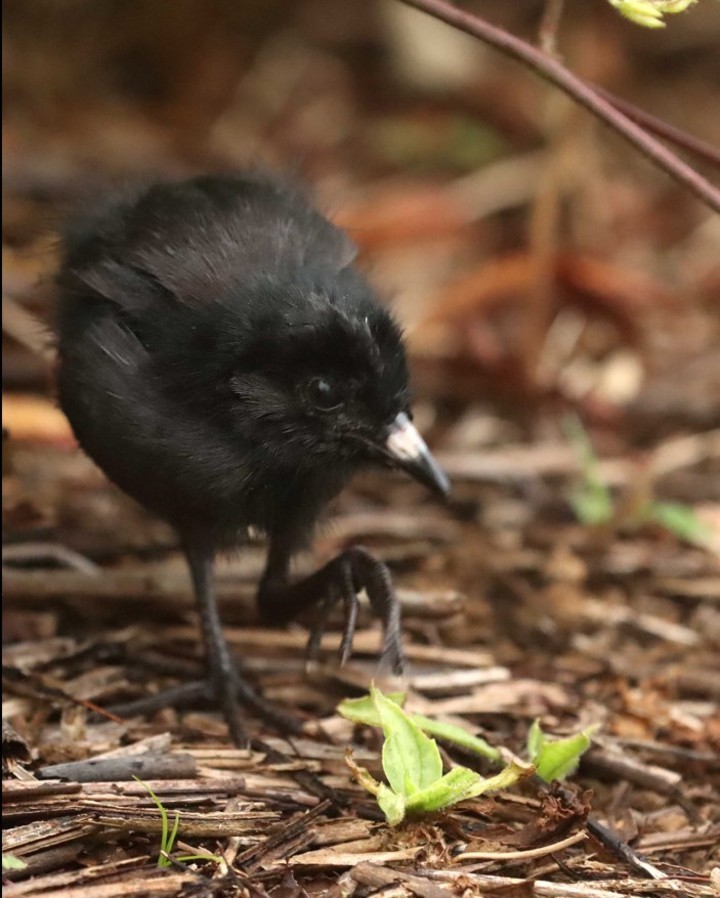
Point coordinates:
pixel 224 363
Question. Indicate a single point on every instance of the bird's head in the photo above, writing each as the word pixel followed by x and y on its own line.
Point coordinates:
pixel 315 377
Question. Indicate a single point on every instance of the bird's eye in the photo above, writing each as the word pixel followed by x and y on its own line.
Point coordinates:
pixel 323 394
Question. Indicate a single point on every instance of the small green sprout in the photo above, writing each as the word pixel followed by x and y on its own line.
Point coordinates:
pixel 556 759
pixel 10 862
pixel 593 505
pixel 413 767
pixel 649 13
pixel 362 710
pixel 679 519
pixel 591 500
pixel 168 836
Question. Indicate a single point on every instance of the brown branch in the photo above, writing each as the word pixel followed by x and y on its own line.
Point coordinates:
pixel 549 24
pixel 688 142
pixel 146 766
pixel 556 73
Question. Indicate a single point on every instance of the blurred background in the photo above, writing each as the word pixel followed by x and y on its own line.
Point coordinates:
pixel 531 255
pixel 538 263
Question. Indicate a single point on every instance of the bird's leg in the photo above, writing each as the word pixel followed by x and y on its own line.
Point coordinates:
pixel 339 580
pixel 225 684
pixel 229 687
pixel 224 677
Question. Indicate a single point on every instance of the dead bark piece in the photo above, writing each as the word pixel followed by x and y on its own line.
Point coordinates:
pixel 15 749
pixel 615 888
pixel 648 776
pixel 149 766
pixel 145 884
pixel 49 860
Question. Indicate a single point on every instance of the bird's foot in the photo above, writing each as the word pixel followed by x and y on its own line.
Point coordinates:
pixel 340 581
pixel 232 695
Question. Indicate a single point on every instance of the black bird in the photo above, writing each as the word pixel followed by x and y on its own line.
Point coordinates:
pixel 224 363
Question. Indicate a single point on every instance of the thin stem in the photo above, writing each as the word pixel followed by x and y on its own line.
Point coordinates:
pixel 549 24
pixel 688 142
pixel 553 71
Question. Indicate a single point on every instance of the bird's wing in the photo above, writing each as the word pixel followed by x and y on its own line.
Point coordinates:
pixel 193 240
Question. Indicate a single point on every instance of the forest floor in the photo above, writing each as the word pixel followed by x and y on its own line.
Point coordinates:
pixel 545 276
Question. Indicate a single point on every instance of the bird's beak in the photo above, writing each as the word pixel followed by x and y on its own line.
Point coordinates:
pixel 406 449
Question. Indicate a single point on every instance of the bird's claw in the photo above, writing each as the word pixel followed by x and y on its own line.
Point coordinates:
pixel 356 569
pixel 230 695
pixel 235 694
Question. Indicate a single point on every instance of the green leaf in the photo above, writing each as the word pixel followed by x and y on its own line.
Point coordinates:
pixel 590 500
pixel 449 789
pixel 173 833
pixel 535 739
pixel 559 758
pixel 649 13
pixel 461 783
pixel 679 519
pixel 10 862
pixel 507 777
pixel 592 503
pixel 362 710
pixel 411 761
pixel 457 735
pixel 391 804
pixel 199 857
pixel 642 12
pixel 163 861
